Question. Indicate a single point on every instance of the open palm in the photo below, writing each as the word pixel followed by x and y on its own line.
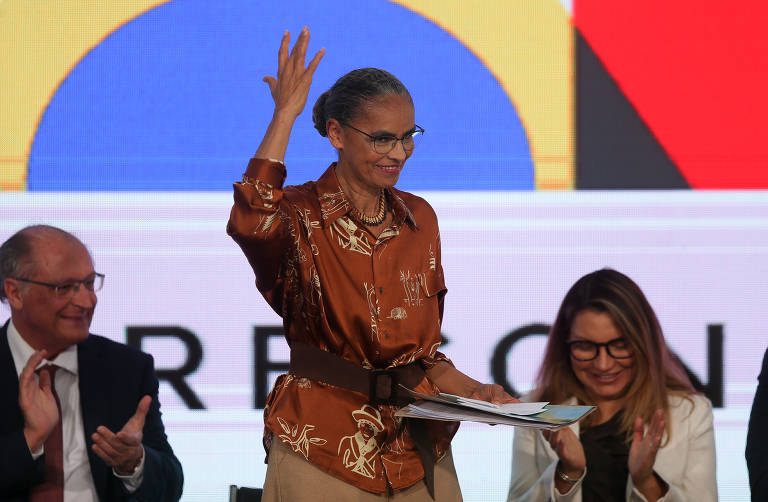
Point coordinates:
pixel 37 403
pixel 645 445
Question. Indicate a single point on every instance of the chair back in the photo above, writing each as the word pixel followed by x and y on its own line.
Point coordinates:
pixel 244 494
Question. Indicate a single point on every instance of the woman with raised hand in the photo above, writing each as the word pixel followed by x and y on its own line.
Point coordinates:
pixel 352 265
pixel 651 436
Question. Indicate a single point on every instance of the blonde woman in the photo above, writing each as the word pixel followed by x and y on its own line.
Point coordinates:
pixel 651 436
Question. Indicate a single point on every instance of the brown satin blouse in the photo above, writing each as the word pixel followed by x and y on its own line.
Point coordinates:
pixel 375 301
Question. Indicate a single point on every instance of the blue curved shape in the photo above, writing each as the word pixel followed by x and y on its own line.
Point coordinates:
pixel 173 100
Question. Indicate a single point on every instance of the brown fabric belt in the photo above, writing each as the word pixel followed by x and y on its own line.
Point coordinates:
pixel 381 387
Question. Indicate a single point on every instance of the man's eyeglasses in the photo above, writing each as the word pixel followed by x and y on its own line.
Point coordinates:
pixel 67 289
pixel 584 350
pixel 385 144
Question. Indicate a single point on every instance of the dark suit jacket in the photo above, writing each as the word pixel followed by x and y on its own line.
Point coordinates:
pixel 113 378
pixel 757 438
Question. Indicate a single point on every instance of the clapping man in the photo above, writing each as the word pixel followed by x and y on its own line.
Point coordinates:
pixel 80 420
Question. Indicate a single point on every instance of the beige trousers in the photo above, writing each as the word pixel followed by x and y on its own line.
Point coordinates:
pixel 290 478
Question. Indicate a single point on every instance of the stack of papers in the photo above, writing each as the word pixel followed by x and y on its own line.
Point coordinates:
pixel 457 408
pixel 509 409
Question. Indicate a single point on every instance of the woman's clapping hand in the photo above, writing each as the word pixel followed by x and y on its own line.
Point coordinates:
pixel 569 449
pixel 642 455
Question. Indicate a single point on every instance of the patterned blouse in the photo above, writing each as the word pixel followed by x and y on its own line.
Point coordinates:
pixel 375 301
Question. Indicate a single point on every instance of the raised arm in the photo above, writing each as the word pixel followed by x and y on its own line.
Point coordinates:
pixel 255 222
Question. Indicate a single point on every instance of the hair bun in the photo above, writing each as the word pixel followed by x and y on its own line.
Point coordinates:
pixel 347 98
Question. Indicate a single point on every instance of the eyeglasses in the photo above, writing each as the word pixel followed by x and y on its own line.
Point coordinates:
pixel 386 143
pixel 67 289
pixel 584 350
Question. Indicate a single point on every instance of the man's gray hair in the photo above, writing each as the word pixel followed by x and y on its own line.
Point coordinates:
pixel 17 253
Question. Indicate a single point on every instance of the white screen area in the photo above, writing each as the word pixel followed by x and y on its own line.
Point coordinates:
pixel 509 258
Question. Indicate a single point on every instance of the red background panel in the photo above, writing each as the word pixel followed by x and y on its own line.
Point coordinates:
pixel 697 73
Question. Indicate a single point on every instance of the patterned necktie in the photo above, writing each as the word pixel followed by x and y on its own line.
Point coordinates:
pixel 52 490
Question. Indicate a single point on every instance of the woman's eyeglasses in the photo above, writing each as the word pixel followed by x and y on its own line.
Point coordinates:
pixel 386 143
pixel 584 350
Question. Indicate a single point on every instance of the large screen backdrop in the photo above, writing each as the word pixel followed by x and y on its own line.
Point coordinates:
pixel 127 123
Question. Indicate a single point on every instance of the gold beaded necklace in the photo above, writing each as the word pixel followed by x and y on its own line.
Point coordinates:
pixel 380 215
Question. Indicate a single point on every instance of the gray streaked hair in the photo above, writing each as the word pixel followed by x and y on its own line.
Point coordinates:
pixel 347 97
pixel 17 252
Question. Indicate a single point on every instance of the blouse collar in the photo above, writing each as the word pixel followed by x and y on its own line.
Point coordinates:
pixel 334 203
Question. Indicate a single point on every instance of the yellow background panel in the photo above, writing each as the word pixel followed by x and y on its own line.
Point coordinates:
pixel 527 45
pixel 40 42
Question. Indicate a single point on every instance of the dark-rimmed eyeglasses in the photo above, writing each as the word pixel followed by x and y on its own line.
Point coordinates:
pixel 386 143
pixel 584 350
pixel 67 289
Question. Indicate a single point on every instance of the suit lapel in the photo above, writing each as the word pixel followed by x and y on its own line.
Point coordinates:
pixel 95 406
pixel 8 393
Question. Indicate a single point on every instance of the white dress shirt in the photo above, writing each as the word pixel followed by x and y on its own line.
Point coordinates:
pixel 78 481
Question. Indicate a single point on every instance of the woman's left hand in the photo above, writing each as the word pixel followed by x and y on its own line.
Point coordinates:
pixel 642 453
pixel 291 87
pixel 492 393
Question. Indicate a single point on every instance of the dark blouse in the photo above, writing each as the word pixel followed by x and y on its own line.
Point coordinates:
pixel 607 454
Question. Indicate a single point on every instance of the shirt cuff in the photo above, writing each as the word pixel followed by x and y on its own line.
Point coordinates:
pixel 269 171
pixel 133 481
pixel 634 495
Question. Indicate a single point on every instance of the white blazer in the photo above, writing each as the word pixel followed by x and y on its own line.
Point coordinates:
pixel 686 461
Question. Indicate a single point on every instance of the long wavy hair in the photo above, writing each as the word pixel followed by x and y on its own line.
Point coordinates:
pixel 658 371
